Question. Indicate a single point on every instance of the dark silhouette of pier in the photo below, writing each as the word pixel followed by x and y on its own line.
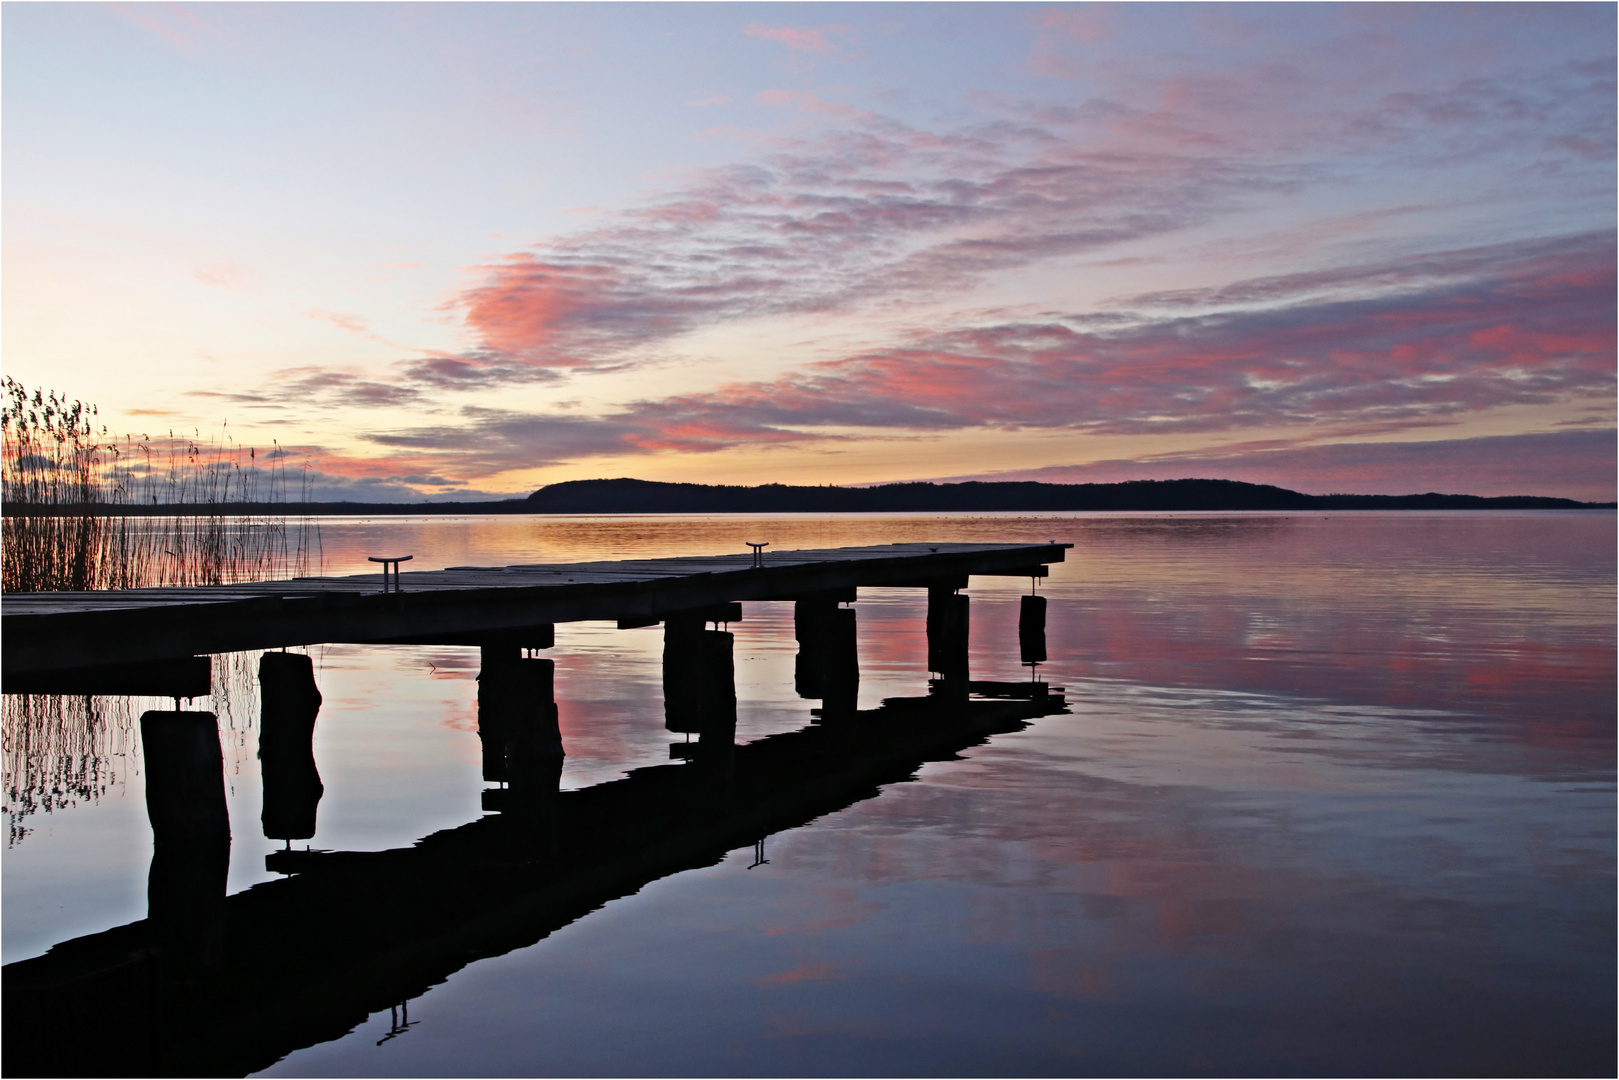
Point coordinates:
pixel 208 985
pixel 89 632
pixel 290 963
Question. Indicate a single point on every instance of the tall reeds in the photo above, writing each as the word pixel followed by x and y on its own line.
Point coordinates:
pixel 84 509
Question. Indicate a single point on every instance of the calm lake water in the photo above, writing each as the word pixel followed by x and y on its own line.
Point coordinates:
pixel 1333 795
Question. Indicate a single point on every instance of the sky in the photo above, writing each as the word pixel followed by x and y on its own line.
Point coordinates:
pixel 460 251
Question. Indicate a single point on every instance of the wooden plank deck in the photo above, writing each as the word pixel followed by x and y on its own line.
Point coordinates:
pixel 55 631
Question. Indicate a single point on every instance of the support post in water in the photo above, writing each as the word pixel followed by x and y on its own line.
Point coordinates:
pixel 841 672
pixel 185 801
pixel 716 742
pixel 1031 630
pixel 517 722
pixel 810 621
pixel 699 685
pixel 683 674
pixel 947 641
pixel 813 617
pixel 289 703
pixel 492 714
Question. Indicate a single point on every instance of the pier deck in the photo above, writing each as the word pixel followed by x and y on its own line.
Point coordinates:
pixel 61 631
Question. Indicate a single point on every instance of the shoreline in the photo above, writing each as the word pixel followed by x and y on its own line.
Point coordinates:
pixel 521 508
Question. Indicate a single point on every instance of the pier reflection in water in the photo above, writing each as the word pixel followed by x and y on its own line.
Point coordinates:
pixel 213 986
pixel 1331 796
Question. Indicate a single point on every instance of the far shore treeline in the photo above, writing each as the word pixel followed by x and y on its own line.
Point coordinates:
pixel 626 496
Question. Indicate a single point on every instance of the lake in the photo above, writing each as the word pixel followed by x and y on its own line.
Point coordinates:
pixel 1333 794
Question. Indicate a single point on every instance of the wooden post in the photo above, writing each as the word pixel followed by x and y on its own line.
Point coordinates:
pixel 517 718
pixel 719 680
pixel 185 777
pixel 1031 630
pixel 185 801
pixel 947 640
pixel 699 686
pixel 841 671
pixel 534 732
pixel 682 674
pixel 716 741
pixel 289 703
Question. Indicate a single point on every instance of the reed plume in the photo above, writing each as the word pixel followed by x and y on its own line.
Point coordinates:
pixel 86 510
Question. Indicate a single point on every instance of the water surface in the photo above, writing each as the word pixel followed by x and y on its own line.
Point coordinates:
pixel 1333 795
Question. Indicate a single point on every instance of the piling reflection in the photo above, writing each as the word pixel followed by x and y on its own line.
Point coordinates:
pixel 347 933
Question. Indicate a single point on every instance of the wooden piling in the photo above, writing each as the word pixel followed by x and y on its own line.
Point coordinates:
pixel 682 675
pixel 185 778
pixel 810 618
pixel 840 679
pixel 289 704
pixel 517 717
pixel 185 800
pixel 1031 630
pixel 699 681
pixel 947 639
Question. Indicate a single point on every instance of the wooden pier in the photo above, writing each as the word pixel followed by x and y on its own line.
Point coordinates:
pixel 59 634
pixel 212 985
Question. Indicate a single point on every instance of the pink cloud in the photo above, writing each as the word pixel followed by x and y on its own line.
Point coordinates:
pixel 867 215
pixel 847 220
pixel 1537 328
pixel 1362 351
pixel 869 212
pixel 810 103
pixel 1089 24
pixel 177 24
pixel 527 306
pixel 806 972
pixel 812 39
pixel 227 276
pixel 352 323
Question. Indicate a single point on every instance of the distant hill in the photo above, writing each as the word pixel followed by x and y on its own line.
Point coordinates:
pixel 646 496
pixel 1434 501
pixel 625 496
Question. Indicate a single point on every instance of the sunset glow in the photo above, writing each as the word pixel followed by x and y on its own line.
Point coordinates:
pixel 460 251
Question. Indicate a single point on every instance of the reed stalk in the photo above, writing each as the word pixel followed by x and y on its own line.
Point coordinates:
pixel 85 510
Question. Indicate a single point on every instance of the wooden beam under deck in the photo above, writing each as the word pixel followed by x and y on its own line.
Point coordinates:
pixel 53 631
